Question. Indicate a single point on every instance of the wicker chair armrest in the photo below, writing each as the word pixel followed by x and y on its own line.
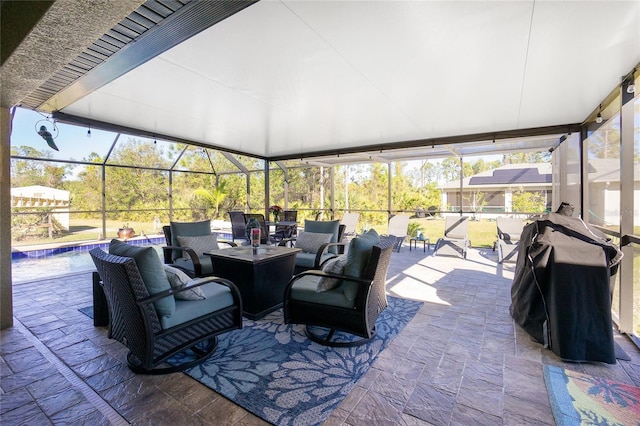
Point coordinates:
pixel 229 243
pixel 317 262
pixel 197 266
pixel 286 241
pixel 166 254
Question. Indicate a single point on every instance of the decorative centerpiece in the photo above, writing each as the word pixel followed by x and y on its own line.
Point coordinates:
pixel 252 223
pixel 276 211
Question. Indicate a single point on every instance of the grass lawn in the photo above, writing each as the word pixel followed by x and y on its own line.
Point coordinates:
pixel 482 233
pixel 89 230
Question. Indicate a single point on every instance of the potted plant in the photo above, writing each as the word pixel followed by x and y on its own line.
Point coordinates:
pixel 126 232
pixel 276 211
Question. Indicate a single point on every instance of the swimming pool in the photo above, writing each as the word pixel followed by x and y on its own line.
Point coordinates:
pixel 34 264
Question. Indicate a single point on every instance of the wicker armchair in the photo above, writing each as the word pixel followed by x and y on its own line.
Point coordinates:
pixel 336 309
pixel 185 257
pixel 314 259
pixel 153 338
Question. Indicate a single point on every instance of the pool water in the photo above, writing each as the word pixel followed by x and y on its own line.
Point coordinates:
pixel 29 269
pixel 30 266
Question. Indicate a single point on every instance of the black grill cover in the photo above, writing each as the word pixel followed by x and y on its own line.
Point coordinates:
pixel 561 291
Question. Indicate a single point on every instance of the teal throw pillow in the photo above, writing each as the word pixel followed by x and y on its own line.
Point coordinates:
pixel 187 229
pixel 324 227
pixel 151 270
pixel 357 259
pixel 179 279
pixel 311 242
pixel 201 244
pixel 331 266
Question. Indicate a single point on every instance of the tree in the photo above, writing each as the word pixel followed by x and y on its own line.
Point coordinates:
pixel 527 157
pixel 604 144
pixel 213 198
pixel 528 202
pixel 36 172
pixel 450 169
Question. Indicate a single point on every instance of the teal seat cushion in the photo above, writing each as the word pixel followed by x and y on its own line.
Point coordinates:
pixel 307 260
pixel 324 227
pixel 187 229
pixel 357 259
pixel 151 270
pixel 305 289
pixel 217 296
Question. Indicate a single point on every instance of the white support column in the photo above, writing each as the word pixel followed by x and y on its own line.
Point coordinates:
pixel 626 215
pixel 6 286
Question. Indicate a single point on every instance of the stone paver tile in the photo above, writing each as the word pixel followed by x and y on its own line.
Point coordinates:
pixel 51 385
pixel 392 386
pixel 24 359
pixel 14 399
pixel 525 408
pixel 79 353
pixel 27 414
pixel 82 413
pixel 222 411
pixel 61 401
pixel 465 416
pixel 431 404
pixel 26 377
pixel 481 395
pixel 375 409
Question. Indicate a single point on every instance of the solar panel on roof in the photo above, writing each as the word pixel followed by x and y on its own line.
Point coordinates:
pixel 511 176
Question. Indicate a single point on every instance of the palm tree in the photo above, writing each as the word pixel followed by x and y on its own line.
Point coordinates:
pixel 212 198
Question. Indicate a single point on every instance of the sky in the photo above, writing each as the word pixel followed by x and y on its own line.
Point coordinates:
pixel 72 141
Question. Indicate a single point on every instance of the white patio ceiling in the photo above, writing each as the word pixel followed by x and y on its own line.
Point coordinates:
pixel 284 79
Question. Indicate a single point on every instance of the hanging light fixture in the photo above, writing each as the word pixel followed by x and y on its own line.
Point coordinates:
pixel 599 116
pixel 631 85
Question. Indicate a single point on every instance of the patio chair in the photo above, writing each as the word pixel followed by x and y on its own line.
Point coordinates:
pixel 509 231
pixel 346 296
pixel 320 241
pixel 284 232
pixel 398 230
pixel 186 244
pixel 238 226
pixel 148 318
pixel 350 221
pixel 455 241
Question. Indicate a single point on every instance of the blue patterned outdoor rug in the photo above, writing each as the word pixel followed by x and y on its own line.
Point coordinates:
pixel 87 310
pixel 274 371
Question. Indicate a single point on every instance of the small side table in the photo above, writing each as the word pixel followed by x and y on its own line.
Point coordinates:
pixel 426 245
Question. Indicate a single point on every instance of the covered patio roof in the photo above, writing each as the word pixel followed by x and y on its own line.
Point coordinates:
pixel 330 81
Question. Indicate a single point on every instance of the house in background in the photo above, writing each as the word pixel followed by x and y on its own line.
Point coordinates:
pixel 54 204
pixel 604 192
pixel 491 192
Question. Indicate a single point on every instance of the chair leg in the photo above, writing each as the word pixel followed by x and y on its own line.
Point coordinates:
pixel 326 341
pixel 201 356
